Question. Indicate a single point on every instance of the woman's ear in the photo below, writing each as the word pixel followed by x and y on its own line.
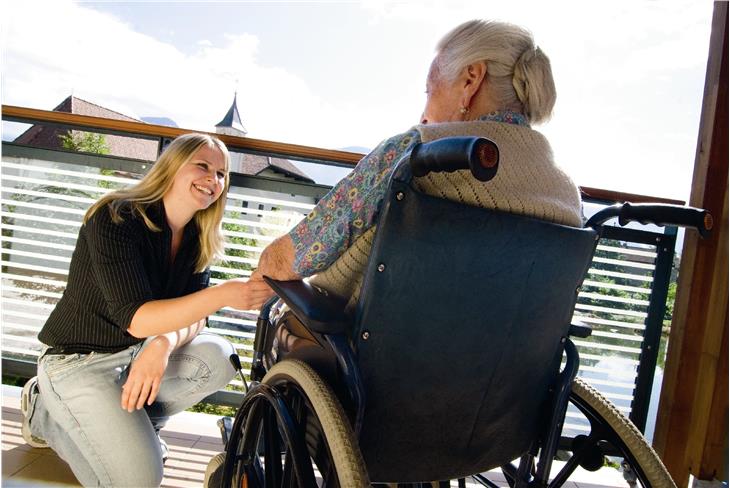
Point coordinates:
pixel 472 78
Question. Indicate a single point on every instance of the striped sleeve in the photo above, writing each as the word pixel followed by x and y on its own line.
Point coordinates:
pixel 117 265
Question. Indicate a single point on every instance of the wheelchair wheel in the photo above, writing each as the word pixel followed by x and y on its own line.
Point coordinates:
pixel 611 435
pixel 292 431
pixel 610 428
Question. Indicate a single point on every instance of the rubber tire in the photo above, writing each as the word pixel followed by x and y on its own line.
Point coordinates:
pixel 644 457
pixel 214 471
pixel 340 439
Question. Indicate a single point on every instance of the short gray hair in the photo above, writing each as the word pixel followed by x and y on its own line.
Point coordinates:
pixel 519 72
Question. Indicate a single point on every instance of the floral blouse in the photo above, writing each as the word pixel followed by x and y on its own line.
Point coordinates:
pixel 351 207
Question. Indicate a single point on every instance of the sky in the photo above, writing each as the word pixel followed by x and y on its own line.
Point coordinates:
pixel 629 73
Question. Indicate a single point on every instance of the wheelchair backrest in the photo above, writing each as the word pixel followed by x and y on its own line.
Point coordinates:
pixel 459 329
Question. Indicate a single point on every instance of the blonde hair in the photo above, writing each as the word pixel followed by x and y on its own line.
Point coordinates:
pixel 518 72
pixel 156 184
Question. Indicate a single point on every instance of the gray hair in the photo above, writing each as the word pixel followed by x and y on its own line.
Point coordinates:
pixel 518 72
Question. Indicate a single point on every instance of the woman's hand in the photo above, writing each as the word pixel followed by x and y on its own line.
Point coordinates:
pixel 247 295
pixel 145 375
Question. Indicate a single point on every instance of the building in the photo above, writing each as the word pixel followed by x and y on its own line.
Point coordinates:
pixel 256 164
pixel 49 137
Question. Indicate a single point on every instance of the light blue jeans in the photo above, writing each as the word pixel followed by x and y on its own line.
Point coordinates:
pixel 78 411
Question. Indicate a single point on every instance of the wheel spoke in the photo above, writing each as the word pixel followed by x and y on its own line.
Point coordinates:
pixel 288 476
pixel 272 450
pixel 285 442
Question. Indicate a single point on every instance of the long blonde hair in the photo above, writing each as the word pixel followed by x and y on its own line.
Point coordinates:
pixel 159 180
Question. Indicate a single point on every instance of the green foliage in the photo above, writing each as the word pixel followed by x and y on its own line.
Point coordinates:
pixel 671 297
pixel 242 241
pixel 84 142
pixel 107 184
pixel 14 380
pixel 212 409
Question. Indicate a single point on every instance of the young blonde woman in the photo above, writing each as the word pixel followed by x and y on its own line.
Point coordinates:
pixel 125 348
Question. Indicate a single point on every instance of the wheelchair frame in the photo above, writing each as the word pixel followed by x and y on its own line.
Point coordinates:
pixel 254 418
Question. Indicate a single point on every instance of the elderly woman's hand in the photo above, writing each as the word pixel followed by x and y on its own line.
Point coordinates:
pixel 277 261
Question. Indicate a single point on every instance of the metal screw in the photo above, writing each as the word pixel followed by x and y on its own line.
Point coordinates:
pixel 562 340
pixel 658 239
pixel 381 267
pixel 399 195
pixel 365 335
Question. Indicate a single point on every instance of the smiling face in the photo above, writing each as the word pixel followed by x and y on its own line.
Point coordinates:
pixel 199 182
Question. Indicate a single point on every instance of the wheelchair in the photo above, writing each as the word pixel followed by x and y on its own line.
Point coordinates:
pixel 456 360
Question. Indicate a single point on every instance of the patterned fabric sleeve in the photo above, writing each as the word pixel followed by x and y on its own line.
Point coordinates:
pixel 349 209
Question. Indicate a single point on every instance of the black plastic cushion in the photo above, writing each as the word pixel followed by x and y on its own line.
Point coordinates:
pixel 317 309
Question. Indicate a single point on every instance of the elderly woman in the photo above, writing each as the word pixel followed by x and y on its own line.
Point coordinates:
pixel 487 79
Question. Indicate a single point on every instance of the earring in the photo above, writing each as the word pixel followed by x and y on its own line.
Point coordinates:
pixel 463 110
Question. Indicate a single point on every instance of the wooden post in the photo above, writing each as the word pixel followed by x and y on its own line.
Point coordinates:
pixel 692 424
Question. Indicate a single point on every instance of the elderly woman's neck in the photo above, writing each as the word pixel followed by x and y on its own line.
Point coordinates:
pixel 483 103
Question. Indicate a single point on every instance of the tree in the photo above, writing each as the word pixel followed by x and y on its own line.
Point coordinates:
pixel 84 142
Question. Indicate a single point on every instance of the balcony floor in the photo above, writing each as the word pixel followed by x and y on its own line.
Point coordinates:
pixel 193 439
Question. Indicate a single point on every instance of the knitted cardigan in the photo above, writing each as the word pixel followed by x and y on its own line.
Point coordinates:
pixel 528 182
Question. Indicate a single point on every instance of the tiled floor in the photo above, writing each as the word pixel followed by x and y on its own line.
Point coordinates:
pixel 193 439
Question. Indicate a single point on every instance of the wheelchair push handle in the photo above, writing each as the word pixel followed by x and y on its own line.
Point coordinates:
pixel 477 154
pixel 655 213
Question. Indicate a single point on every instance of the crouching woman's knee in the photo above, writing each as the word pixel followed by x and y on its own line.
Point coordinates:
pixel 142 470
pixel 152 477
pixel 215 352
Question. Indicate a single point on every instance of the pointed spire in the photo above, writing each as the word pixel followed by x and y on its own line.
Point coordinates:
pixel 231 123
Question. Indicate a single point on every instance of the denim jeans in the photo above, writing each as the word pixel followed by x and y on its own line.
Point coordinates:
pixel 78 411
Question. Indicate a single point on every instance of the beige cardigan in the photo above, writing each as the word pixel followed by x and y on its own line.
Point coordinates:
pixel 528 182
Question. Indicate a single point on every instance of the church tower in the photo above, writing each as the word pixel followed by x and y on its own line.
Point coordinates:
pixel 231 124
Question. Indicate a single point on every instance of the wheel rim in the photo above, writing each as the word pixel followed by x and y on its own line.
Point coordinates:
pixel 589 450
pixel 601 441
pixel 264 458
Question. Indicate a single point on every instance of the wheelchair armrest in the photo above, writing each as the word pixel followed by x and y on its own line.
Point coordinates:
pixel 579 329
pixel 318 310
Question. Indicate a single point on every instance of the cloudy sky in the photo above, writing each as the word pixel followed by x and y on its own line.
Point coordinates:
pixel 629 74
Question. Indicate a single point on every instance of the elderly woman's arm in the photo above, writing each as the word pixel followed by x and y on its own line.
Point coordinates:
pixel 277 261
pixel 338 219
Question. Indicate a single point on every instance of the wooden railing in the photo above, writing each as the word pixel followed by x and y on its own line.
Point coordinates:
pixel 13 113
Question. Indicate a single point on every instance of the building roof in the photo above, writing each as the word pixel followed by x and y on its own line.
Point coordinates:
pixel 255 164
pixel 232 119
pixel 48 136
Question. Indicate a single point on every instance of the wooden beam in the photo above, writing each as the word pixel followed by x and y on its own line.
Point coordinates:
pixel 618 196
pixel 345 158
pixel 693 404
pixel 25 114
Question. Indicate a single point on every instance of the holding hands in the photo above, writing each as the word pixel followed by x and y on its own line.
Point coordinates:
pixel 247 294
